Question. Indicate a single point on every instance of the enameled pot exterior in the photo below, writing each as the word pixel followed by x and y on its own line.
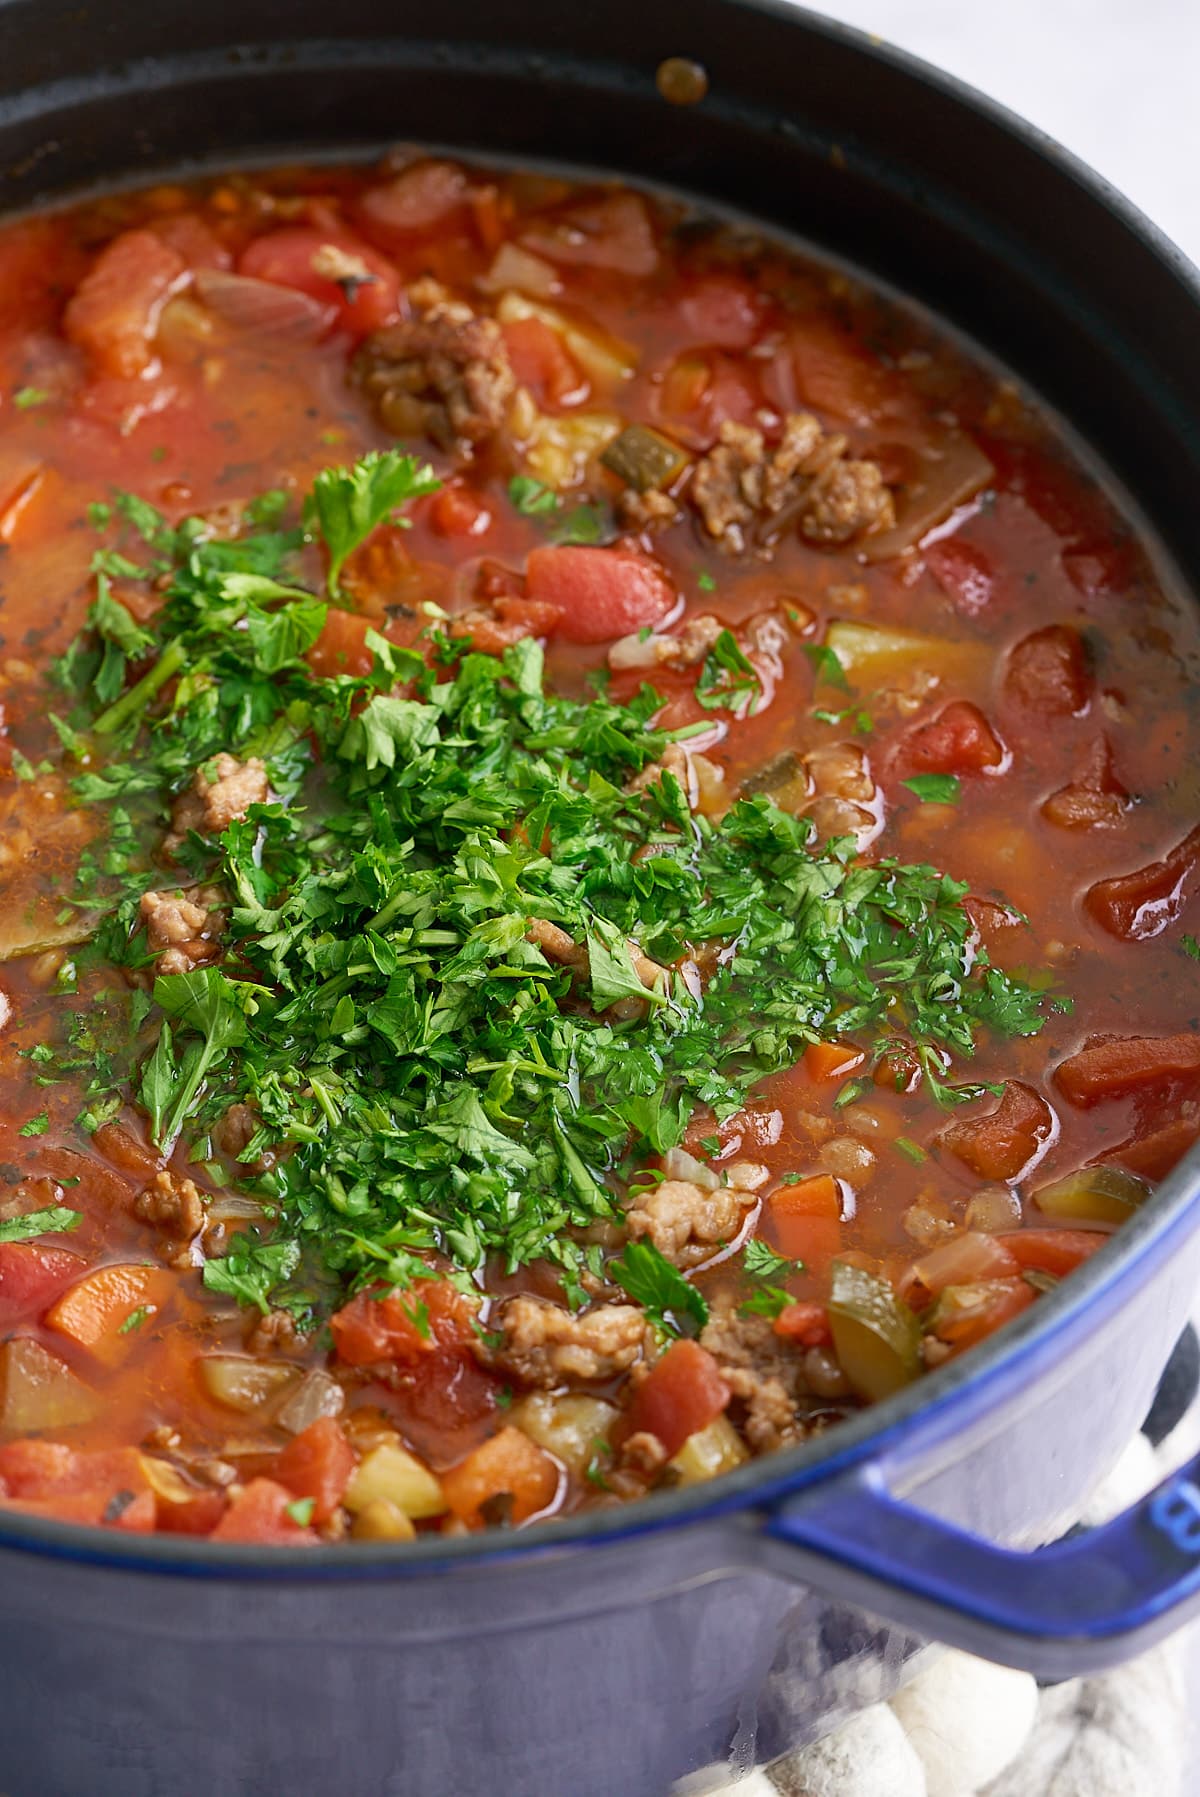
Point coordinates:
pixel 723 1624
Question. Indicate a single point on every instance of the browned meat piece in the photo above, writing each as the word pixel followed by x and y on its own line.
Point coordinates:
pixel 276 1332
pixel 443 373
pixel 561 948
pixel 807 479
pixel 765 1376
pixel 547 1345
pixel 182 932
pixel 644 1453
pixel 685 1222
pixel 173 1206
pixel 222 789
pixel 844 791
pixel 652 510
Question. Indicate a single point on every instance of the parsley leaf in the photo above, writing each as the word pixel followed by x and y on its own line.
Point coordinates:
pixel 727 679
pixel 1190 947
pixel 660 1288
pixel 53 1220
pixel 37 1126
pixel 935 789
pixel 347 504
pixel 252 1269
pixel 301 1511
pixel 531 497
pixel 25 398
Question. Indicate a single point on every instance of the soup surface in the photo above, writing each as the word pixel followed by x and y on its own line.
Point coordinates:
pixel 598 831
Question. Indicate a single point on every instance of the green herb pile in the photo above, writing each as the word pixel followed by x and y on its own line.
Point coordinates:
pixel 427 1078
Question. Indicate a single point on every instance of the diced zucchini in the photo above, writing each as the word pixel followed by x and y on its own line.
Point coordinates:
pixel 716 1449
pixel 869 653
pixel 1093 1195
pixel 567 1427
pixel 877 1337
pixel 644 458
pixel 390 1472
pixel 603 358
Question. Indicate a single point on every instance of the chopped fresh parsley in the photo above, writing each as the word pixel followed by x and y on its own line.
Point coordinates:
pixel 660 1288
pixel 728 680
pixel 935 789
pixel 826 666
pixel 427 1077
pixel 531 497
pixel 37 1126
pixel 53 1220
pixel 301 1511
pixel 911 1150
pixel 1190 947
pixel 136 1318
pixel 760 1262
pixel 706 583
pixel 26 398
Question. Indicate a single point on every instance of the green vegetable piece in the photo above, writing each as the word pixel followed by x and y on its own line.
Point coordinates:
pixel 876 1336
pixel 660 1288
pixel 348 504
pixel 644 458
pixel 935 789
pixel 531 497
pixel 1093 1195
pixel 54 1219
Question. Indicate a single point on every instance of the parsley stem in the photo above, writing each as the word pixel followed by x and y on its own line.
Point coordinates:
pixel 122 709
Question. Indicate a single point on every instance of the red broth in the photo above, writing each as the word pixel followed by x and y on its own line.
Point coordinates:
pixel 881 603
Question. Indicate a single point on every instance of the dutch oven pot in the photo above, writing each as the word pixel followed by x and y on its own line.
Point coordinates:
pixel 608 1656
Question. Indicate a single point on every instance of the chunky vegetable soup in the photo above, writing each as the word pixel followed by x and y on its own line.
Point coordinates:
pixel 598 833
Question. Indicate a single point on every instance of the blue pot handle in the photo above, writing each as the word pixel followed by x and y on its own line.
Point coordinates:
pixel 1076 1606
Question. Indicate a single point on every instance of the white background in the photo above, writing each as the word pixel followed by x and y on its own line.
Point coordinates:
pixel 1116 81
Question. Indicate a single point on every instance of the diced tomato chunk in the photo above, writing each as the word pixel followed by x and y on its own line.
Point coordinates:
pixel 824 367
pixel 36 255
pixel 683 1392
pixel 1113 1066
pixel 198 1514
pixel 1137 905
pixel 422 198
pixel 702 390
pixel 405 1326
pixel 113 313
pixel 721 309
pixel 317 1464
pixel 89 1509
pixel 1008 1140
pixel 458 511
pixel 31 1278
pixel 188 235
pixel 107 1487
pixel 806 1221
pixel 541 361
pixel 601 593
pixel 613 233
pixel 959 740
pixel 1155 1152
pixel 334 267
pixel 963 572
pixel 341 647
pixel 1048 673
pixel 259 1513
pixel 807 1324
pixel 1055 1251
pixel 508 1468
pixel 444 1404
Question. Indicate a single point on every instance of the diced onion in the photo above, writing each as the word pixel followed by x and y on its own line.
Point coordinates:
pixel 39 1391
pixel 391 1473
pixel 265 307
pixel 520 269
pixel 953 472
pixel 679 1164
pixel 317 1395
pixel 243 1384
pixel 994 1209
pixel 569 1427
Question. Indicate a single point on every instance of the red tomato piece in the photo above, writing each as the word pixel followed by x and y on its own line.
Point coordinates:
pixel 333 267
pixel 92 1510
pixel 259 1513
pixel 457 511
pixel 806 1324
pixel 1007 1141
pixel 963 572
pixel 36 258
pixel 824 368
pixel 1135 906
pixel 405 1326
pixel 1048 673
pixel 420 199
pixel 1155 1152
pixel 31 1278
pixel 1099 570
pixel 699 391
pixel 602 593
pixel 509 621
pixel 341 647
pixel 198 1514
pixel 967 1259
pixel 613 233
pixel 541 361
pixel 1113 1066
pixel 443 1405
pixel 959 740
pixel 1056 1251
pixel 188 235
pixel 113 313
pixel 683 1392
pixel 318 1464
pixel 721 309
pixel 108 1486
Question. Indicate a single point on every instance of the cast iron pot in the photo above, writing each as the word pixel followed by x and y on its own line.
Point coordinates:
pixel 609 1657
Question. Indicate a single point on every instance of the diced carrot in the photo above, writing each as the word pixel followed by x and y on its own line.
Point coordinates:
pixel 317 1464
pixel 1115 1066
pixel 508 1465
pixel 1142 904
pixel 804 1323
pixel 1006 1141
pixel 683 1392
pixel 260 1513
pixel 405 1326
pixel 1056 1251
pixel 832 1060
pixel 806 1221
pixel 95 1309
